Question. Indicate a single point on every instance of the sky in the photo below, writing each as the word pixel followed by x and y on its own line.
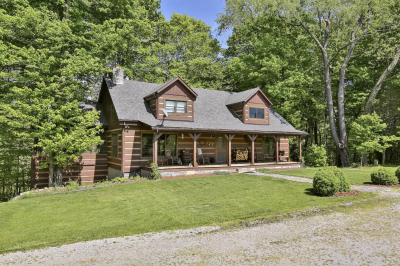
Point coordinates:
pixel 206 10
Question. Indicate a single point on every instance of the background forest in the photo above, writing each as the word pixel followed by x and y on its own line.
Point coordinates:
pixel 329 67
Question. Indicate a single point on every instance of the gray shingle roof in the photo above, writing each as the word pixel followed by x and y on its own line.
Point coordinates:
pixel 210 110
pixel 237 97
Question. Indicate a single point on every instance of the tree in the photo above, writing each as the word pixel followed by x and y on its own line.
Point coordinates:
pixel 186 48
pixel 45 76
pixel 335 27
pixel 281 64
pixel 366 134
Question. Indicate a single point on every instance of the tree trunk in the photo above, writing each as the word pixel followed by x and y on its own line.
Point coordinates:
pixel 325 132
pixel 316 132
pixel 383 157
pixel 58 177
pixel 364 160
pixel 381 80
pixel 51 171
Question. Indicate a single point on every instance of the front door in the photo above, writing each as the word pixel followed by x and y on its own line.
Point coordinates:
pixel 221 149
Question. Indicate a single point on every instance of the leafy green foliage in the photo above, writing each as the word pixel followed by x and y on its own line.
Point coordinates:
pixel 383 176
pixel 344 182
pixel 315 156
pixel 155 174
pixel 397 173
pixel 72 186
pixel 367 134
pixel 119 180
pixel 326 183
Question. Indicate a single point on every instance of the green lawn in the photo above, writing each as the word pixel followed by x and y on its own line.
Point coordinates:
pixel 360 175
pixel 151 206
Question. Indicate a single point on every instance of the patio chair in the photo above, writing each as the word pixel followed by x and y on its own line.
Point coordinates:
pixel 202 157
pixel 175 160
pixel 161 160
pixel 260 157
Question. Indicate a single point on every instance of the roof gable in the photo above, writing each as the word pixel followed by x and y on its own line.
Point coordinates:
pixel 163 87
pixel 246 96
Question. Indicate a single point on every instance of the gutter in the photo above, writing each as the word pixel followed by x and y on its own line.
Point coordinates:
pixel 231 131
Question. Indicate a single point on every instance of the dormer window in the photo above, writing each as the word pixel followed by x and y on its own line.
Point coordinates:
pixel 257 113
pixel 179 107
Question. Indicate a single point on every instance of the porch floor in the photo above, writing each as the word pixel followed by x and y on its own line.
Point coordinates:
pixel 234 165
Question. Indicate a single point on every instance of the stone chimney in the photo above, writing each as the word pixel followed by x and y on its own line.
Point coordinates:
pixel 118 75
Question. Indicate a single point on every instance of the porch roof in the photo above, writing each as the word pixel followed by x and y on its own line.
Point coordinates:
pixel 210 111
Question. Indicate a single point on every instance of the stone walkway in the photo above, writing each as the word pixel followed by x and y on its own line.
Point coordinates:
pixel 362 188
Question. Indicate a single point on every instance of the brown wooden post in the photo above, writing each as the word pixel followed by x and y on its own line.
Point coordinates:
pixel 155 146
pixel 300 155
pixel 229 138
pixel 195 136
pixel 277 148
pixel 252 138
pixel 252 152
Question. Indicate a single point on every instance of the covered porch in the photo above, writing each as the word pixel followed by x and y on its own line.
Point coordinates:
pixel 217 150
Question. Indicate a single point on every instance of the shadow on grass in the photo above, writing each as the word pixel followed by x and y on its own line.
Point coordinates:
pixel 309 192
pixel 368 183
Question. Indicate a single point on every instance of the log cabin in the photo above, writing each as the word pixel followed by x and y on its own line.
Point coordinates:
pixel 185 130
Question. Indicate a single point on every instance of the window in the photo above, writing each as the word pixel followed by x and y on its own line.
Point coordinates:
pixel 221 143
pixel 147 145
pixel 175 107
pixel 257 113
pixel 114 145
pixel 167 145
pixel 268 146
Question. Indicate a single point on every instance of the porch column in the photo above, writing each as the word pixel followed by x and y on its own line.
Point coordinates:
pixel 252 138
pixel 229 138
pixel 195 136
pixel 299 140
pixel 277 148
pixel 155 145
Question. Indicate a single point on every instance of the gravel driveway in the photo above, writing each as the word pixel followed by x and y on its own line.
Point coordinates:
pixel 356 236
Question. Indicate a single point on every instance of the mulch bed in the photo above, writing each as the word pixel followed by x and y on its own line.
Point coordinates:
pixel 347 194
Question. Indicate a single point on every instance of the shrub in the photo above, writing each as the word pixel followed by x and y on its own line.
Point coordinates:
pixel 383 176
pixel 326 183
pixel 136 178
pixel 344 182
pixel 155 174
pixel 72 185
pixel 397 173
pixel 315 156
pixel 119 180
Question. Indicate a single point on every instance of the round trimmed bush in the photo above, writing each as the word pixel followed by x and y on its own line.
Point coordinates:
pixel 326 183
pixel 344 182
pixel 383 176
pixel 397 173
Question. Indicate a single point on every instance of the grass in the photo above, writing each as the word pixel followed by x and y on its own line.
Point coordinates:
pixel 152 206
pixel 361 175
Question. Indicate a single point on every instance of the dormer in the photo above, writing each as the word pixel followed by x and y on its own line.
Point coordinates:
pixel 176 97
pixel 251 106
